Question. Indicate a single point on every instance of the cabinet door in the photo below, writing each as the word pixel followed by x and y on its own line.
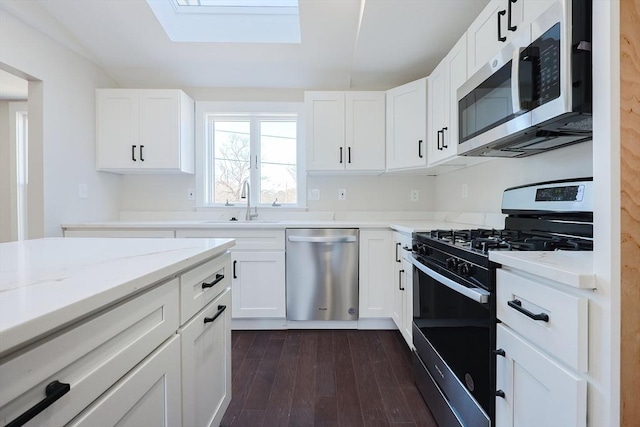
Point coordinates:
pixel 407 284
pixel 376 272
pixel 159 129
pixel 149 395
pixel 325 113
pixel 117 128
pixel 407 125
pixel 258 284
pixel 365 124
pixel 537 390
pixel 457 69
pixel 206 364
pixel 438 122
pixel 498 23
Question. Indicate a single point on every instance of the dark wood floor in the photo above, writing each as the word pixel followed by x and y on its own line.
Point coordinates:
pixel 323 378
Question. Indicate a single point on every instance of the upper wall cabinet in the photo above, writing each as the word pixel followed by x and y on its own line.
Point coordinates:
pixel 501 22
pixel 407 126
pixel 144 131
pixel 345 131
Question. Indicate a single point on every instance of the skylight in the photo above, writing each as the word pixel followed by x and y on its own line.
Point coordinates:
pixel 229 21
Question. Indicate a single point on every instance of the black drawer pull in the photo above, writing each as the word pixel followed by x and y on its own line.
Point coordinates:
pixel 221 309
pixel 499 352
pixel 235 276
pixel 500 393
pixel 348 154
pixel 420 148
pixel 340 155
pixel 133 153
pixel 141 158
pixel 501 38
pixel 443 143
pixel 397 254
pixel 517 305
pixel 509 26
pixel 54 391
pixel 218 278
pixel 400 280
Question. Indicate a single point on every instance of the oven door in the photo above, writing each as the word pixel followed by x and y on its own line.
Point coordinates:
pixel 452 334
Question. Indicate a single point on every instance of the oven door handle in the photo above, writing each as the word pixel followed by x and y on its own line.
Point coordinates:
pixel 476 294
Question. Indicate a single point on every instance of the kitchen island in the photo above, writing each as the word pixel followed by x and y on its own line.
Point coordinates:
pixel 97 329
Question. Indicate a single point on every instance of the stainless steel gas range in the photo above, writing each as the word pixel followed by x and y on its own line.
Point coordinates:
pixel 454 319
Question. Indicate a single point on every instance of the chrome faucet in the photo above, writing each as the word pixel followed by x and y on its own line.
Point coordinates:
pixel 246 194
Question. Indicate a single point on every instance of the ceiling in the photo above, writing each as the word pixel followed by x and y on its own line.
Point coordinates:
pixel 346 44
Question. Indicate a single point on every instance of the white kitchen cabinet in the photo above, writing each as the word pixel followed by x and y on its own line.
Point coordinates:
pixel 500 23
pixel 444 82
pixel 376 272
pixel 149 395
pixel 345 131
pixel 90 356
pixel 258 283
pixel 144 131
pixel 407 126
pixel 97 232
pixel 533 389
pixel 541 352
pixel 402 286
pixel 206 364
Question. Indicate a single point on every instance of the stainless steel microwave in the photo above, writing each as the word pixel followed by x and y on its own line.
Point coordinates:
pixel 536 94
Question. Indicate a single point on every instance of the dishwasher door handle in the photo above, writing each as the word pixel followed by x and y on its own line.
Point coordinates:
pixel 323 239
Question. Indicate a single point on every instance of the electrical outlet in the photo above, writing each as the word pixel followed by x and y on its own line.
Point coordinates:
pixel 314 194
pixel 415 195
pixel 342 194
pixel 83 191
pixel 465 191
pixel 191 194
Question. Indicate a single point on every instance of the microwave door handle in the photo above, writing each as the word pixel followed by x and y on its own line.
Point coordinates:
pixel 515 81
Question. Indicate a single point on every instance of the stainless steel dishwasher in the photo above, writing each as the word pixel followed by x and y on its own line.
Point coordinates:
pixel 322 274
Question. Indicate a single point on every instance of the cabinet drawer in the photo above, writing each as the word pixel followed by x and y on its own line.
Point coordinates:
pixel 246 239
pixel 90 357
pixel 195 291
pixel 564 334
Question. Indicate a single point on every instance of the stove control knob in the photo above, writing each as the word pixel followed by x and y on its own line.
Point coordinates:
pixel 464 269
pixel 452 263
pixel 415 247
pixel 424 250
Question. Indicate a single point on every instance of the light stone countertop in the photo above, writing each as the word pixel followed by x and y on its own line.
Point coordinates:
pixel 46 284
pixel 572 268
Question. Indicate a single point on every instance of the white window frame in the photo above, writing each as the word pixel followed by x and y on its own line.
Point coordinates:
pixel 236 111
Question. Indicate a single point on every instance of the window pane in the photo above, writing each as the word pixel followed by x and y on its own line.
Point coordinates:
pixel 231 159
pixel 278 171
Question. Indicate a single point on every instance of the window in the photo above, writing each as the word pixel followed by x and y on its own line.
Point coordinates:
pixel 261 148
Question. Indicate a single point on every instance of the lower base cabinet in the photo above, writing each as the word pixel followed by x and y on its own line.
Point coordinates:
pixel 206 364
pixel 258 284
pixel 533 389
pixel 149 395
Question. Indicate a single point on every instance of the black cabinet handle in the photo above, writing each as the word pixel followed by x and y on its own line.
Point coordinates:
pixel 133 153
pixel 499 352
pixel 420 148
pixel 500 38
pixel 517 305
pixel 221 309
pixel 509 26
pixel 443 144
pixel 54 391
pixel 348 154
pixel 234 269
pixel 500 393
pixel 340 155
pixel 218 278
pixel 400 280
pixel 141 158
pixel 397 256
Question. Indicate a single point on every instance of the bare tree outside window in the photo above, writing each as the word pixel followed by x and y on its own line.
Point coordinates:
pixel 231 161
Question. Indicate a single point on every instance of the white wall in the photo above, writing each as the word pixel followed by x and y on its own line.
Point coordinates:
pixel 486 181
pixel 5 178
pixel 62 140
